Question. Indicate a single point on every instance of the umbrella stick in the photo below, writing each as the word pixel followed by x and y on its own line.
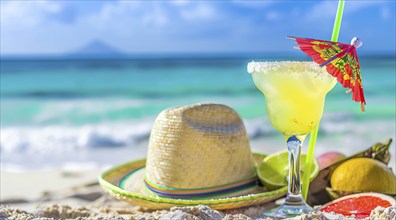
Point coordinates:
pixel 314 132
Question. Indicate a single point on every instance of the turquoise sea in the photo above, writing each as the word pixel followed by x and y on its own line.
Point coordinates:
pixel 66 111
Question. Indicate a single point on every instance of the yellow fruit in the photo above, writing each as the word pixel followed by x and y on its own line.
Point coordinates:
pixel 363 175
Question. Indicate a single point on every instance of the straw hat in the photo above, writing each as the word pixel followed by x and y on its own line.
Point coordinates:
pixel 197 154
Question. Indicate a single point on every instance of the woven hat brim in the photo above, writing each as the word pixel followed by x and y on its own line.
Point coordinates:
pixel 110 181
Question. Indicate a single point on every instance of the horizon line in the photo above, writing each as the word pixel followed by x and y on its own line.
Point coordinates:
pixel 174 55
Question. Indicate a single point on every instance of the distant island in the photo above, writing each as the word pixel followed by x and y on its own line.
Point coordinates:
pixel 96 48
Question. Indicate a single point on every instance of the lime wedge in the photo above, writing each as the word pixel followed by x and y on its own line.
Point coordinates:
pixel 274 169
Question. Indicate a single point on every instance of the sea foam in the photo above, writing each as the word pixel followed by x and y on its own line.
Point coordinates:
pixel 111 143
pixel 64 138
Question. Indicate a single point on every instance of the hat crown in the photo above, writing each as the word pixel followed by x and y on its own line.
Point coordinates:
pixel 198 146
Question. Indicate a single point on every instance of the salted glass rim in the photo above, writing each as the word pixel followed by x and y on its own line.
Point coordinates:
pixel 292 66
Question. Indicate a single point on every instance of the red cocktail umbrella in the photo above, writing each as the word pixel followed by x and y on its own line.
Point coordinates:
pixel 341 61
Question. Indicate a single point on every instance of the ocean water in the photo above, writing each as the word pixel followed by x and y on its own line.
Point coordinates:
pixel 74 113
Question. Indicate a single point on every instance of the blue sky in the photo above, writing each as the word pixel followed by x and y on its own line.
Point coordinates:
pixel 56 27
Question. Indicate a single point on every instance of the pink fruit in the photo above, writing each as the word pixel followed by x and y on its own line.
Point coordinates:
pixel 360 205
pixel 329 158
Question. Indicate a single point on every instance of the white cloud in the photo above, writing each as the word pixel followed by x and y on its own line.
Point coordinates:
pixel 322 11
pixel 122 21
pixel 180 2
pixel 113 11
pixel 273 16
pixel 198 12
pixel 385 14
pixel 253 4
pixel 327 10
pixel 27 13
pixel 156 17
pixel 355 6
pixel 29 27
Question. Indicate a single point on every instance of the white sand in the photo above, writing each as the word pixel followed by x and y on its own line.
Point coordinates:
pixel 31 185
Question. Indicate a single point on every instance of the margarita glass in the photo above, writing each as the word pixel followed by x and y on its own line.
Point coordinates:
pixel 295 95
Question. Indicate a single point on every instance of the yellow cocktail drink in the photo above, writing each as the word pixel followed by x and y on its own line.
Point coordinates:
pixel 294 92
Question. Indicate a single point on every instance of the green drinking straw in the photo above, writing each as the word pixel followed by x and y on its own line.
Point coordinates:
pixel 314 133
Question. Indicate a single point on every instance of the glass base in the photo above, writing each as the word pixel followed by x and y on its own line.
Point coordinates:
pixel 291 208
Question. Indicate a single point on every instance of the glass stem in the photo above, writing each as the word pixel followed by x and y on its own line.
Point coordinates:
pixel 294 196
